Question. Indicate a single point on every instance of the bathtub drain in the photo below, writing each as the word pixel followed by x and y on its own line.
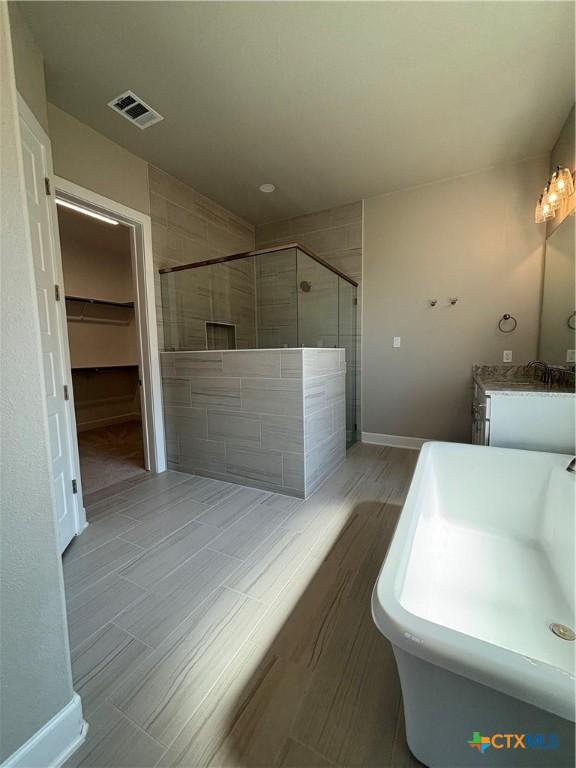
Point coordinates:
pixel 566 633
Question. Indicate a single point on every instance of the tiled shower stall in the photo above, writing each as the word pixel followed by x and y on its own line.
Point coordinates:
pixel 258 368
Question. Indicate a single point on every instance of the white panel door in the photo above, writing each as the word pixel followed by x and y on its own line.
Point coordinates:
pixel 43 231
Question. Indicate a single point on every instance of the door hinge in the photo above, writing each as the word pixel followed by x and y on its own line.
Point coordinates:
pixel 57 292
pixel 74 486
pixel 47 185
pixel 66 393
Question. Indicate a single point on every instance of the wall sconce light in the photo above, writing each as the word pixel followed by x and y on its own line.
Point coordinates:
pixel 550 199
pixel 560 187
pixel 550 204
pixel 538 213
pixel 561 184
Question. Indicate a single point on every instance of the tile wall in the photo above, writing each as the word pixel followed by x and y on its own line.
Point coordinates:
pixel 188 227
pixel 276 299
pixel 270 419
pixel 324 384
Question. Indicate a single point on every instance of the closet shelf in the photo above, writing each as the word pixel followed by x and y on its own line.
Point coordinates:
pixel 104 367
pixel 85 310
pixel 104 302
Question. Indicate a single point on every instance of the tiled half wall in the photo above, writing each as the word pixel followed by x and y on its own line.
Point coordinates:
pixel 267 418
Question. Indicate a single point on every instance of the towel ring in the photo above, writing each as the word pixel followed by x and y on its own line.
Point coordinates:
pixel 571 321
pixel 504 319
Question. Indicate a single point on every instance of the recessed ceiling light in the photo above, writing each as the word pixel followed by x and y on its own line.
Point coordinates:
pixel 85 211
pixel 266 187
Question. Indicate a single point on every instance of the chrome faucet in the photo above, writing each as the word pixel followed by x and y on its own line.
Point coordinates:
pixel 553 374
pixel 543 367
pixel 572 466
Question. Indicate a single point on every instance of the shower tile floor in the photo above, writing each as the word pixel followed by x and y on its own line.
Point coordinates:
pixel 216 625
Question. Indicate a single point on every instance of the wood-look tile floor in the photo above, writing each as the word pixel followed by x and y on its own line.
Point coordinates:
pixel 215 625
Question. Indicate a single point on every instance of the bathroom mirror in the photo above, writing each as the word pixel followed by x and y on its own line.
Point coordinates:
pixel 558 318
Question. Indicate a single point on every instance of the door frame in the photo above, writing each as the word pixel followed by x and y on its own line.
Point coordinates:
pixel 140 225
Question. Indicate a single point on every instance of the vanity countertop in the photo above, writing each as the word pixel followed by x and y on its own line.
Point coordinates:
pixel 516 380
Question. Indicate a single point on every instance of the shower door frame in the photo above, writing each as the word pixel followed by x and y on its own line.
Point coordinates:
pixel 259 252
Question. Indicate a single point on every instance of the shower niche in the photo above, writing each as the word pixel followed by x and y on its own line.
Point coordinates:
pixel 220 335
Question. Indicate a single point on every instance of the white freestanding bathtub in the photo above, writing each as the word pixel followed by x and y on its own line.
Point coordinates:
pixel 481 565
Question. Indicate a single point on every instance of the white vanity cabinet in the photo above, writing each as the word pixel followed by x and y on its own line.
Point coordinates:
pixel 536 421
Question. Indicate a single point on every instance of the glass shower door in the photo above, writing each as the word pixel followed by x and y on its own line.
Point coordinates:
pixel 347 338
pixel 276 306
pixel 317 304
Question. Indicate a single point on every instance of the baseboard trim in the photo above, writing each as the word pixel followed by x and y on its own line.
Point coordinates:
pixel 53 744
pixel 394 441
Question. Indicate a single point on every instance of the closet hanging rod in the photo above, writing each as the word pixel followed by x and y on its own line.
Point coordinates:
pixel 83 299
pixel 103 367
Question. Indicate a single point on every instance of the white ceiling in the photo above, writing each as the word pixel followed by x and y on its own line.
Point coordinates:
pixel 331 102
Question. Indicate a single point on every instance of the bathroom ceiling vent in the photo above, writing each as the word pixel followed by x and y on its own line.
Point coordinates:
pixel 134 109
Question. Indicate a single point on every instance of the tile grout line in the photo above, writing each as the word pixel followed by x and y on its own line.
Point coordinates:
pixel 116 570
pixel 271 533
pixel 311 749
pixel 225 554
pixel 152 547
pixel 115 685
pixel 220 585
pixel 112 537
pixel 158 492
pixel 104 575
pixel 243 594
pixel 225 669
pixel 237 520
pixel 145 498
pixel 170 572
pixel 138 726
pixel 112 622
pixel 74 648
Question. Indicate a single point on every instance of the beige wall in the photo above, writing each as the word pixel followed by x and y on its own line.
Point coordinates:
pixel 29 66
pixel 564 155
pixel 473 237
pixel 79 153
pixel 188 227
pixel 93 267
pixel 89 159
pixel 104 397
pixel 95 264
pixel 334 234
pixel 34 657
